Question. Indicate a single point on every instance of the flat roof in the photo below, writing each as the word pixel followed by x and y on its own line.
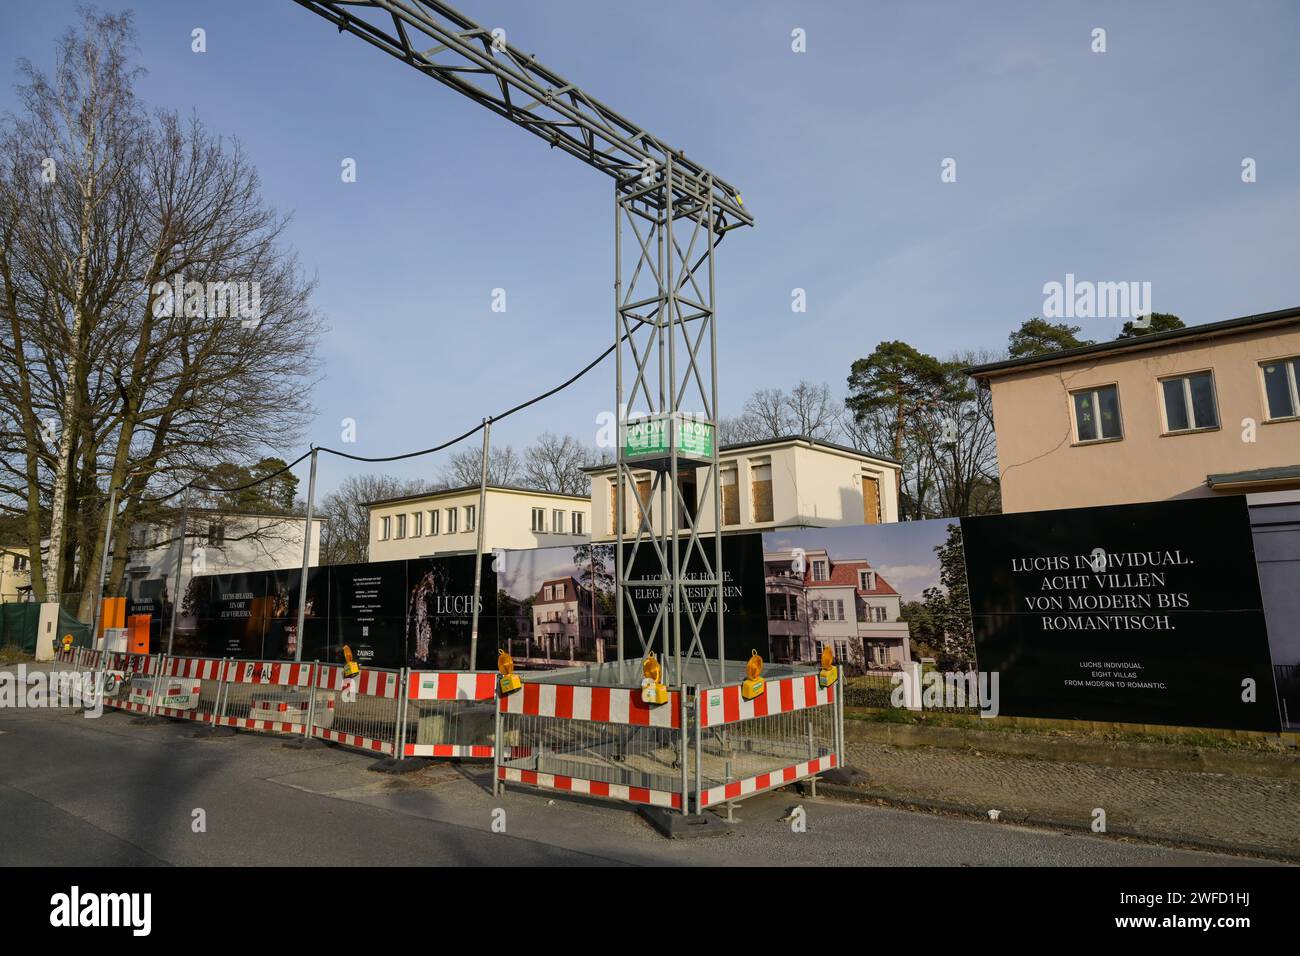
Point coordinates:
pixel 443 492
pixel 783 440
pixel 1243 323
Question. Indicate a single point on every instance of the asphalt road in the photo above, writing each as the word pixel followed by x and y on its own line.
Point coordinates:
pixel 77 791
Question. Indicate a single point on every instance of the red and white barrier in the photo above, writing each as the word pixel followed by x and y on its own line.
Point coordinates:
pixel 269 674
pixel 451 685
pixel 737 789
pixel 725 705
pixel 369 683
pixel 594 788
pixel 614 705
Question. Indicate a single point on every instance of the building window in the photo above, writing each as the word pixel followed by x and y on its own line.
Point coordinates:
pixel 385 526
pixel 539 520
pixel 433 521
pixel 471 516
pixel 451 521
pixel 613 508
pixel 643 512
pixel 1282 387
pixel 819 570
pixel 557 521
pixel 870 499
pixel 216 533
pixel 1189 402
pixel 401 527
pixel 548 593
pixel 417 524
pixel 576 527
pixel 760 490
pixel 730 497
pixel 867 580
pixel 1096 414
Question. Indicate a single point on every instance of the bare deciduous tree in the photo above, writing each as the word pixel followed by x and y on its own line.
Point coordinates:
pixel 346 535
pixel 465 467
pixel 555 463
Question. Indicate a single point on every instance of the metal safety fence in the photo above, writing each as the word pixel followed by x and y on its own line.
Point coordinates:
pixel 449 714
pixel 701 748
pixel 363 711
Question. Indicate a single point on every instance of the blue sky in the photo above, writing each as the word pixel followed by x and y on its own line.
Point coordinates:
pixel 1123 165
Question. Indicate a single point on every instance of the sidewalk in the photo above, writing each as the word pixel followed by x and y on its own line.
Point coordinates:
pixel 1250 814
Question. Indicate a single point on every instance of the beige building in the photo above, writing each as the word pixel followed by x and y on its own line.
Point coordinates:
pixel 446 522
pixel 1210 409
pixel 791 482
pixel 15 574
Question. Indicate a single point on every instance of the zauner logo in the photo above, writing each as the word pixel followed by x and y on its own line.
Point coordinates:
pixel 76 909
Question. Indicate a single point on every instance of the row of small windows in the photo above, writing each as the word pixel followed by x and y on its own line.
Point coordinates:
pixel 419 524
pixel 1187 402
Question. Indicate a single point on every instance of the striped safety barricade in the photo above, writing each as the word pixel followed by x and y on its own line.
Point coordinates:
pixel 189 688
pixel 362 712
pixel 790 732
pixel 598 741
pixel 449 714
pixel 126 676
pixel 267 696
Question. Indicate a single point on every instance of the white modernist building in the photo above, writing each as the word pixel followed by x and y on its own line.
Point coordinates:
pixel 446 522
pixel 791 482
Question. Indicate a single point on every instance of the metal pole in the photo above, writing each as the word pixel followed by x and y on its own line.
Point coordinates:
pixel 716 464
pixel 181 528
pixel 478 547
pixel 306 558
pixel 103 564
pixel 699 776
pixel 619 412
pixel 686 802
pixel 496 742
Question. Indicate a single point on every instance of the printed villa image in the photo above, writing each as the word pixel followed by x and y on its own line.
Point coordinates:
pixel 813 600
pixel 555 606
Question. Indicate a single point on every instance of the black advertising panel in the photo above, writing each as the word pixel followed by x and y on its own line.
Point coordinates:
pixel 1144 613
pixel 744 600
pixel 282 592
pixel 367 611
pixel 439 613
pixel 232 615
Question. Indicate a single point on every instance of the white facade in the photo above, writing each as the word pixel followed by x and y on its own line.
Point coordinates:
pixel 793 482
pixel 446 522
pixel 813 599
pixel 219 542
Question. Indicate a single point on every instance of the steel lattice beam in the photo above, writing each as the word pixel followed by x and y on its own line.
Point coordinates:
pixel 457 52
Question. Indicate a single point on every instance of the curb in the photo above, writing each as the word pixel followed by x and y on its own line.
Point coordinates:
pixel 865 795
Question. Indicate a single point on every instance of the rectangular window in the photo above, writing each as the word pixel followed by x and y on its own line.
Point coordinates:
pixel 867 580
pixel 576 527
pixel 433 521
pixel 730 497
pixel 819 570
pixel 870 500
pixel 1282 387
pixel 1096 414
pixel 385 526
pixel 557 521
pixel 760 490
pixel 216 533
pixel 417 524
pixel 643 511
pixel 1189 402
pixel 548 593
pixel 451 520
pixel 471 516
pixel 613 506
pixel 401 527
pixel 539 520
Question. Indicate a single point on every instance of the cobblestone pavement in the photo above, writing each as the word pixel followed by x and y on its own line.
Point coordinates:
pixel 1256 813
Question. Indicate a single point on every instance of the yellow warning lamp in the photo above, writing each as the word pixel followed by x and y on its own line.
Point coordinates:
pixel 652 690
pixel 829 672
pixel 350 667
pixel 67 642
pixel 509 680
pixel 753 685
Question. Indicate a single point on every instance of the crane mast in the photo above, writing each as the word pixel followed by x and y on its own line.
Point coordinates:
pixel 670 215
